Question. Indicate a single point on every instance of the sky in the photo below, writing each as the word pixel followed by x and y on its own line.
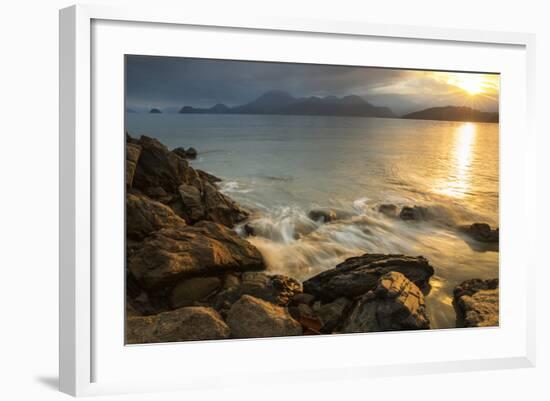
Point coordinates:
pixel 169 83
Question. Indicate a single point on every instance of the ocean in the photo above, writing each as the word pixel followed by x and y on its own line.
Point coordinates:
pixel 282 167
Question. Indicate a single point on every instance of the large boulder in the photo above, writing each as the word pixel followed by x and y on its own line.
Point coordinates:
pixel 251 317
pixel 158 167
pixel 477 303
pixel 172 254
pixel 185 324
pixel 144 215
pixel 132 156
pixel 395 304
pixel 358 275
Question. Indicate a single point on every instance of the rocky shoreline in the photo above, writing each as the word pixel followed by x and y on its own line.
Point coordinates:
pixel 191 276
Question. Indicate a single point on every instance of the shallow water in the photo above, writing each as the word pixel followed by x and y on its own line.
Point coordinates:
pixel 284 166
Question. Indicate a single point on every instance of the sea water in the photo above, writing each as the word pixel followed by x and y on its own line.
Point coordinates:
pixel 281 167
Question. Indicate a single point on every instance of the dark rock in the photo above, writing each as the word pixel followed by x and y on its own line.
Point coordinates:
pixel 171 254
pixel 132 156
pixel 144 216
pixel 414 213
pixel 185 324
pixel 190 206
pixel 155 111
pixel 303 298
pixel 328 215
pixel 212 179
pixel 220 208
pixel 477 303
pixel 333 314
pixel 180 152
pixel 158 167
pixel 482 232
pixel 251 317
pixel 395 304
pixel 194 289
pixel 191 153
pixel 276 289
pixel 358 275
pixel 388 209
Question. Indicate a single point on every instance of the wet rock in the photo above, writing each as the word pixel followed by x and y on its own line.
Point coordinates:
pixel 477 303
pixel 358 275
pixel 158 167
pixel 144 216
pixel 333 314
pixel 395 304
pixel 413 213
pixel 186 292
pixel 172 254
pixel 482 232
pixel 276 289
pixel 184 324
pixel 220 208
pixel 388 209
pixel 132 156
pixel 328 215
pixel 251 317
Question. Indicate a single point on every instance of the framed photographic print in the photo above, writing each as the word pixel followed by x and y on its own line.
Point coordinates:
pixel 355 195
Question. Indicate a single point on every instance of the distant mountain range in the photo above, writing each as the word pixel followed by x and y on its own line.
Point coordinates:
pixel 454 113
pixel 283 103
pixel 279 102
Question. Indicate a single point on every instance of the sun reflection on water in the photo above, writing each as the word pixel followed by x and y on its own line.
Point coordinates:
pixel 457 183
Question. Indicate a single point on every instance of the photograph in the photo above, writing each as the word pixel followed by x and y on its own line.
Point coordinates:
pixel 273 199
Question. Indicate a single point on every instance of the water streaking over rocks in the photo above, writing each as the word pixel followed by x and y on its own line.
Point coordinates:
pixel 321 190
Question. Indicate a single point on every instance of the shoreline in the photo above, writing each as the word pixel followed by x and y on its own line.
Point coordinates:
pixel 186 263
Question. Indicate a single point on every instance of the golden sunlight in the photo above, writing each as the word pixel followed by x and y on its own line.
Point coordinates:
pixel 457 183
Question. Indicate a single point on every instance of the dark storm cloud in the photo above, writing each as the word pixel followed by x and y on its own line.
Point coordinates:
pixel 171 83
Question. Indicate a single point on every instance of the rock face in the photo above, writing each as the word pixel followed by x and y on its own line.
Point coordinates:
pixel 144 216
pixel 192 323
pixel 395 304
pixel 132 155
pixel 477 303
pixel 251 317
pixel 166 176
pixel 356 276
pixel 483 233
pixel 171 254
pixel 158 167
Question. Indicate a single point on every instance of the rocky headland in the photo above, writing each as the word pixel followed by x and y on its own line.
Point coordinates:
pixel 191 276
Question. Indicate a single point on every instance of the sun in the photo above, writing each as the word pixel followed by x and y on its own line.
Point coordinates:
pixel 472 84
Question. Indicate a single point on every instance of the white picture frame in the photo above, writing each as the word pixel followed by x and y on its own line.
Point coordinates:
pixel 81 346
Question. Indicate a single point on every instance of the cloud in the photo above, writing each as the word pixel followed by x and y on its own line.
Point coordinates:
pixel 170 83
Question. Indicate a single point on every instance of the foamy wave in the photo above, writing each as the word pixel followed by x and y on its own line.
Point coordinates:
pixel 234 187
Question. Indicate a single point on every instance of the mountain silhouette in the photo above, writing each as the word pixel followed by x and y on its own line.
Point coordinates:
pixel 454 113
pixel 280 102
